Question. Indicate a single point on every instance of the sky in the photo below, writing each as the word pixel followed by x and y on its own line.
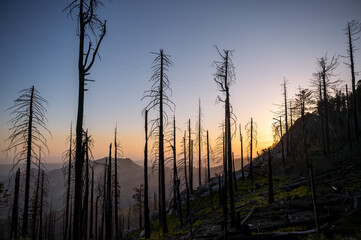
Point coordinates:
pixel 272 40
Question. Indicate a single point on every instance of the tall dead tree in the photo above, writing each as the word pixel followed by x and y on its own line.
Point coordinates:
pixel 159 99
pixel 241 139
pixel 224 77
pixel 69 166
pixel 116 185
pixel 303 101
pixel 352 29
pixel 89 27
pixel 199 129
pixel 282 144
pixel 41 207
pixel 190 156
pixel 109 218
pixel 146 206
pixel 251 130
pixel 36 198
pixel 325 70
pixel 91 231
pixel 270 179
pixel 286 113
pixel 27 121
pixel 185 172
pixel 15 210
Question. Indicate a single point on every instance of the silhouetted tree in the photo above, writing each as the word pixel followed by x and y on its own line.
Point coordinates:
pixel 199 129
pixel 241 139
pixel 185 172
pixel 15 210
pixel 68 155
pixel 91 231
pixel 251 130
pixel 41 206
pixel 352 29
pixel 109 222
pixel 224 77
pixel 146 207
pixel 159 99
pixel 35 202
pixel 190 156
pixel 325 70
pixel 138 197
pixel 116 187
pixel 303 102
pixel 286 114
pixel 90 27
pixel 28 119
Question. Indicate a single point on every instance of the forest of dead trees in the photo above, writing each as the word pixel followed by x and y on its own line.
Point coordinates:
pixel 91 204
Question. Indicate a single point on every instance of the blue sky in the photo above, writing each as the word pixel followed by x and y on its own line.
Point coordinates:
pixel 270 39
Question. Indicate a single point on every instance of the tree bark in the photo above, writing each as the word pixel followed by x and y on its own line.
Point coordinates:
pixel 146 207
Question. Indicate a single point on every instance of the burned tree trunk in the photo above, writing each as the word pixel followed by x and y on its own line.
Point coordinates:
pixel 109 218
pixel 241 138
pixel 208 167
pixel 146 207
pixel 185 172
pixel 35 208
pixel 190 157
pixel 14 216
pixel 116 213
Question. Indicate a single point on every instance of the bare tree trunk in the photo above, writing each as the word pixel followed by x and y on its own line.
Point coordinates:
pixel 224 185
pixel 352 66
pixel 348 120
pixel 96 217
pixel 68 186
pixel 283 149
pixel 116 212
pixel 91 235
pixel 199 144
pixel 175 174
pixel 86 194
pixel 190 158
pixel 28 166
pixel 270 179
pixel 286 119
pixel 325 108
pixel 241 138
pixel 229 144
pixel 185 172
pixel 146 207
pixel 15 210
pixel 161 147
pixel 41 207
pixel 109 221
pixel 35 210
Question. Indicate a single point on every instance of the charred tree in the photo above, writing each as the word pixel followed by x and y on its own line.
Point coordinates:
pixel 199 129
pixel 352 29
pixel 28 118
pixel 70 154
pixel 303 101
pixel 348 119
pixel 251 129
pixel 41 207
pixel 109 217
pixel 241 139
pixel 190 156
pixel 159 100
pixel 116 200
pixel 91 231
pixel 89 26
pixel 146 206
pixel 185 172
pixel 15 210
pixel 224 77
pixel 35 206
pixel 286 114
pixel 326 68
